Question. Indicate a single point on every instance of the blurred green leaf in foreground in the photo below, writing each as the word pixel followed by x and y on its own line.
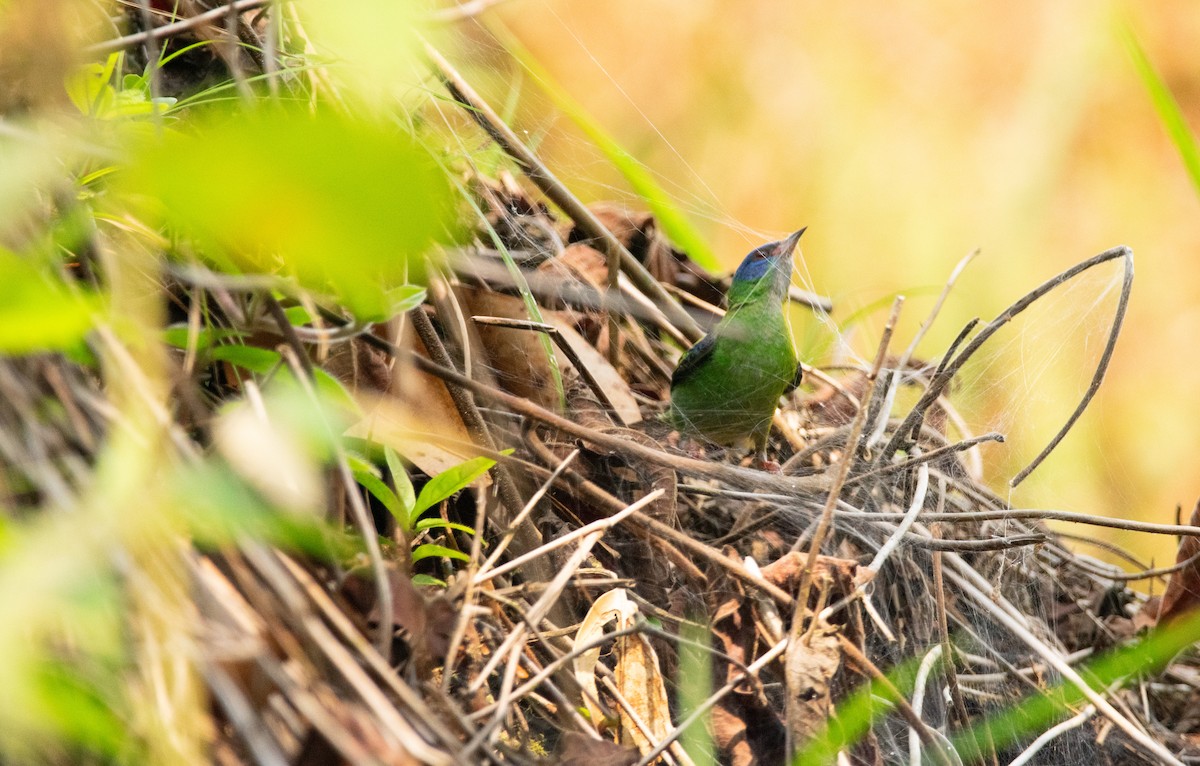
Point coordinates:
pixel 347 207
pixel 38 312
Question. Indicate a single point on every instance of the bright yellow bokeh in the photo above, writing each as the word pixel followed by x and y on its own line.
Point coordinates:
pixel 905 135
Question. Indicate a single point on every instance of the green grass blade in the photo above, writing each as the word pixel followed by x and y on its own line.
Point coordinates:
pixel 1167 107
pixel 668 215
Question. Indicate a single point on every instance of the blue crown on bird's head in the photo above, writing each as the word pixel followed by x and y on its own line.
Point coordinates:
pixel 762 260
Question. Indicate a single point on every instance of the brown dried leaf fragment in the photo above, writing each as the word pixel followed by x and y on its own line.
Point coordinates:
pixel 811 664
pixel 516 357
pixel 1183 590
pixel 577 749
pixel 607 377
pixel 646 717
pixel 426 623
pixel 581 263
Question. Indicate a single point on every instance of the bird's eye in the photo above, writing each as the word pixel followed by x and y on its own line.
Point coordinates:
pixel 762 253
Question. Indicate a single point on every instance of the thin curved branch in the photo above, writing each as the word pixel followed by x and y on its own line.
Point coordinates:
pixel 1097 377
pixel 947 373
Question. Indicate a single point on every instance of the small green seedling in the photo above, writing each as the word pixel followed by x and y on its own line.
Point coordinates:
pixel 407 507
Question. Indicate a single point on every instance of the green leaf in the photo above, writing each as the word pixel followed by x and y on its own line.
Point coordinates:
pixel 82 711
pixel 397 301
pixel 94 176
pixel 334 392
pixel 435 521
pixel 375 43
pixel 37 311
pixel 404 487
pixel 383 493
pixel 83 86
pixel 254 359
pixel 450 481
pixel 90 88
pixel 130 104
pixel 346 207
pixel 429 550
pixel 424 579
pixel 220 509
pixel 177 336
pixel 359 463
pixel 1167 107
pixel 297 316
pixel 405 298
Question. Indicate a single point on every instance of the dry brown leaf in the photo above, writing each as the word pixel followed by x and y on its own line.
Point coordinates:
pixel 1147 616
pixel 358 365
pixel 613 605
pixel 577 749
pixel 733 626
pixel 638 231
pixel 516 357
pixel 787 569
pixel 635 229
pixel 1182 594
pixel 580 262
pixel 639 680
pixel 615 387
pixel 746 733
pixel 746 728
pixel 811 663
pixel 729 733
pixel 638 674
pixel 427 623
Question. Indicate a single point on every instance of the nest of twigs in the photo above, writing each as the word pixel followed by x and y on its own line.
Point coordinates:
pixel 618 591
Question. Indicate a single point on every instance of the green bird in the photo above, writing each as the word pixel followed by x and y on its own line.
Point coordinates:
pixel 727 386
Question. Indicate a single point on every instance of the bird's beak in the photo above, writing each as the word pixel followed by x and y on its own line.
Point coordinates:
pixel 788 246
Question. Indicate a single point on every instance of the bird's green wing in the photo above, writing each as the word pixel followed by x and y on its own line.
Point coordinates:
pixel 795 380
pixel 694 359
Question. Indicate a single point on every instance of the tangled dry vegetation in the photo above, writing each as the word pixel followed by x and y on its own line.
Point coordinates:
pixel 872 599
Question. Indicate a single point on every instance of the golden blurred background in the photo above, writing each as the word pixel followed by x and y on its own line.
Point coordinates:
pixel 906 135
